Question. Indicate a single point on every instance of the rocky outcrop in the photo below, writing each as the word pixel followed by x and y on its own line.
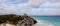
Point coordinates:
pixel 27 22
pixel 16 20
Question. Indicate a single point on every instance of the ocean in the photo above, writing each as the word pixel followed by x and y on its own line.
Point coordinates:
pixel 47 20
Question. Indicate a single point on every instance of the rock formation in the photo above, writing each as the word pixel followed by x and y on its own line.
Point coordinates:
pixel 16 20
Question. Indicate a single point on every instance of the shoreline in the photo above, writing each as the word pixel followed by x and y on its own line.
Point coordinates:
pixel 42 23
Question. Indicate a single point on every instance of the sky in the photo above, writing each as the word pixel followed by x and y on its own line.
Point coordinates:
pixel 31 7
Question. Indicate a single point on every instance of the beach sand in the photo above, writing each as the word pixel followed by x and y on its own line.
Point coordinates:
pixel 7 24
pixel 40 23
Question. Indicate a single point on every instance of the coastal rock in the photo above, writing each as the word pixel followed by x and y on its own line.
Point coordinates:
pixel 17 20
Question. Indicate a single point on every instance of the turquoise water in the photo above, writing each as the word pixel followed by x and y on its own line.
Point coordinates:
pixel 50 19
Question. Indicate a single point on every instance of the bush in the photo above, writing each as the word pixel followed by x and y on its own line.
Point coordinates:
pixel 13 19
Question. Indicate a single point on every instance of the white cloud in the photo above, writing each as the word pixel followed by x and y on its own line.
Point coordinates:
pixel 50 5
pixel 33 3
pixel 54 1
pixel 7 7
pixel 37 3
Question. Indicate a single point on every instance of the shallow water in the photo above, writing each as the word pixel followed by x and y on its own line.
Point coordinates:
pixel 47 20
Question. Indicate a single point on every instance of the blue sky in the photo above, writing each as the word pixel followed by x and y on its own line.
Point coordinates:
pixel 31 7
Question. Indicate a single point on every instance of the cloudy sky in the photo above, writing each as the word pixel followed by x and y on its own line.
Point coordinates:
pixel 31 7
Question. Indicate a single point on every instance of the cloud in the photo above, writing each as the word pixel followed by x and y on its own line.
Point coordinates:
pixel 37 3
pixel 54 1
pixel 7 7
pixel 50 5
pixel 33 3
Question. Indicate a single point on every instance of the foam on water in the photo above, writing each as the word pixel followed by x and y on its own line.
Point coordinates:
pixel 43 23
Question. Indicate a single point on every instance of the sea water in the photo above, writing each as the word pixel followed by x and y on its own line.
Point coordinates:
pixel 47 20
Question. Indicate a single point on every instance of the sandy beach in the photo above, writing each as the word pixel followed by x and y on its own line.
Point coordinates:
pixel 40 23
pixel 7 24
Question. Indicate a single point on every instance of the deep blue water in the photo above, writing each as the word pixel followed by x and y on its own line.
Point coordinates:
pixel 51 19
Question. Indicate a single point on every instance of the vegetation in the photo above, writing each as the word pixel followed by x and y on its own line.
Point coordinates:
pixel 12 19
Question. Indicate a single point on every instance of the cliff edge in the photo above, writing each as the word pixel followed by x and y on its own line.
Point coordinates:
pixel 17 20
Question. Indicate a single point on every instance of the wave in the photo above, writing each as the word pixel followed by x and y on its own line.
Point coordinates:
pixel 42 23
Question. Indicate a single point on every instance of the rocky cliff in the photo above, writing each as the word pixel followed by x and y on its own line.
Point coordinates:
pixel 17 20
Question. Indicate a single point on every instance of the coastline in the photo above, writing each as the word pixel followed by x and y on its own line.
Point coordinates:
pixel 42 23
pixel 15 20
